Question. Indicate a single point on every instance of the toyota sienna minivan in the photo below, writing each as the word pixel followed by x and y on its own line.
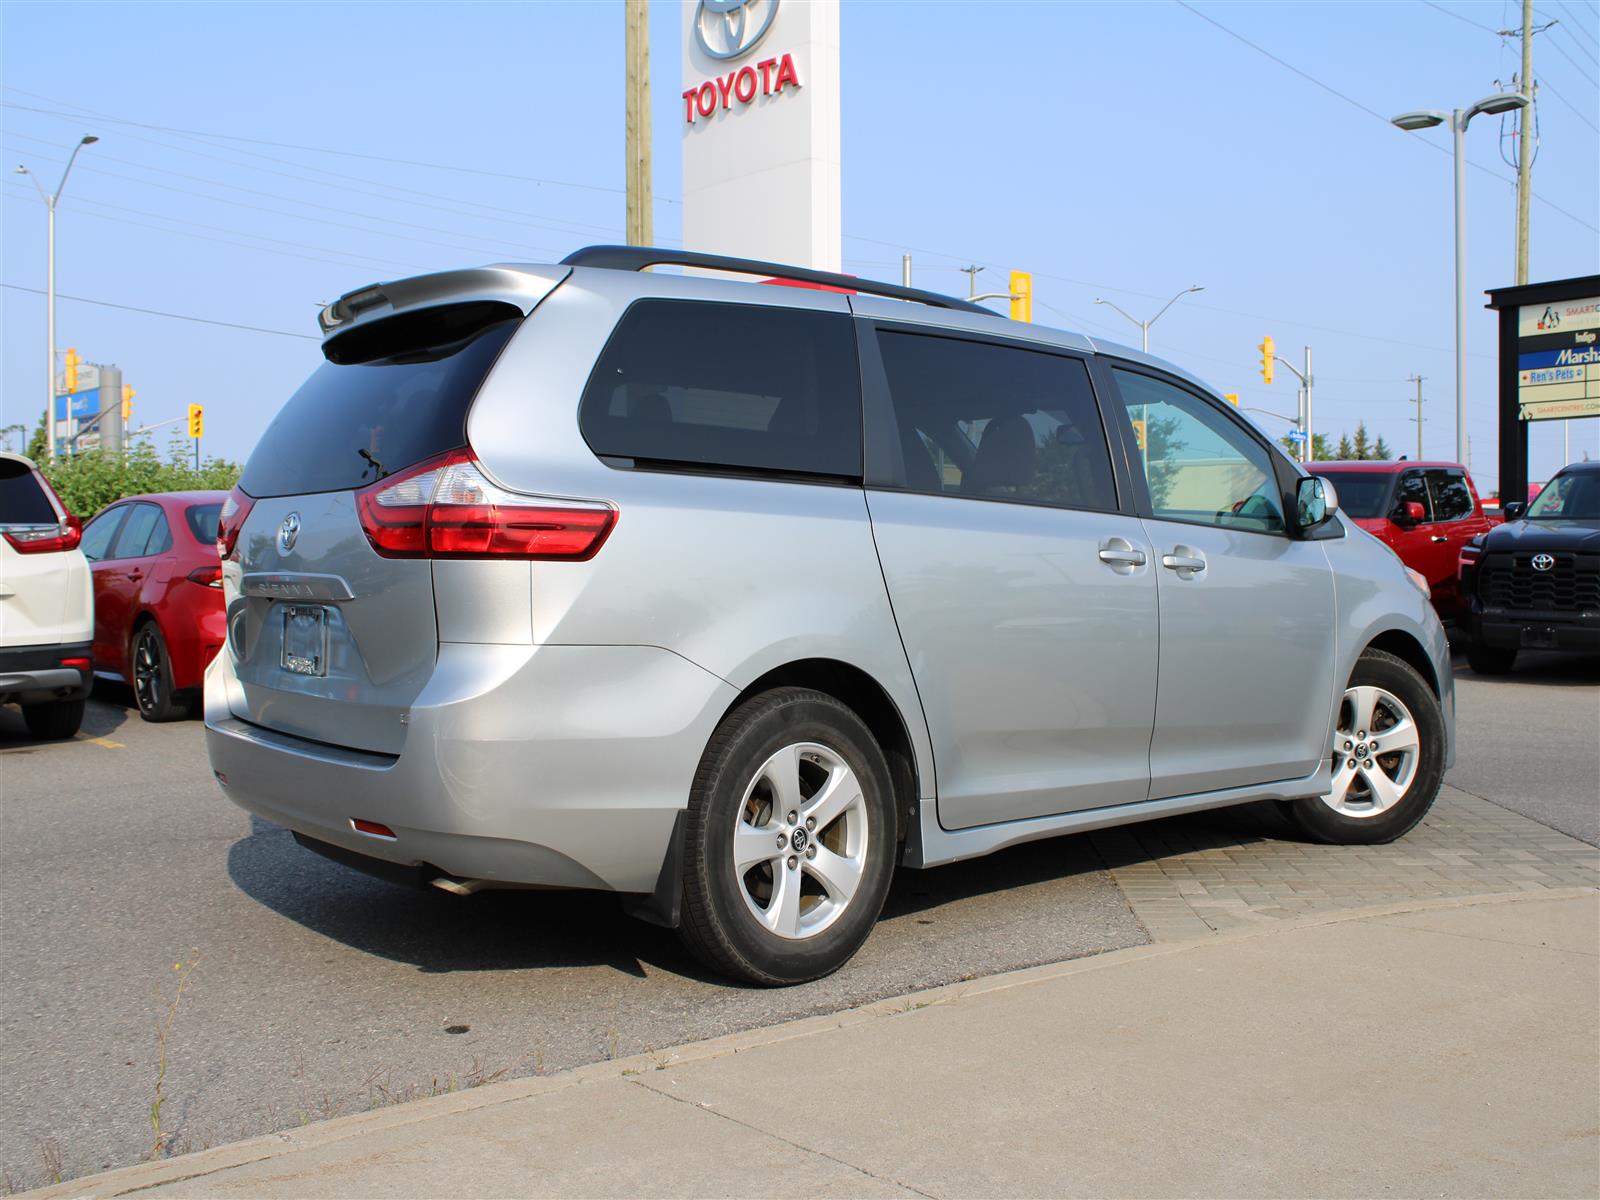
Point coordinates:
pixel 734 598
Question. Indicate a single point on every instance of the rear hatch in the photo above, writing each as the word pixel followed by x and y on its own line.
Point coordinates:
pixel 330 639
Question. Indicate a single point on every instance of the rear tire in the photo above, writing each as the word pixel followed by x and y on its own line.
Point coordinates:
pixel 54 719
pixel 1487 660
pixel 152 677
pixel 795 764
pixel 1388 757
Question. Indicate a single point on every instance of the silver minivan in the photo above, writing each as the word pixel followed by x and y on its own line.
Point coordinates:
pixel 732 598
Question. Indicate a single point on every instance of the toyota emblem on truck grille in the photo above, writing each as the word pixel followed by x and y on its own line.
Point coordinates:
pixel 1544 562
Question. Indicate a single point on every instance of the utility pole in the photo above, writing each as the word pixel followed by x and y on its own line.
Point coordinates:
pixel 641 227
pixel 1311 433
pixel 1417 379
pixel 905 270
pixel 972 279
pixel 1524 151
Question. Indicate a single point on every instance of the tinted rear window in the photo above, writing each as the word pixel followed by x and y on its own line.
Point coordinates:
pixel 728 385
pixel 202 520
pixel 22 500
pixel 351 423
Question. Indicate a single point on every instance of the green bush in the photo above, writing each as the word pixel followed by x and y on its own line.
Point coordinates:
pixel 89 481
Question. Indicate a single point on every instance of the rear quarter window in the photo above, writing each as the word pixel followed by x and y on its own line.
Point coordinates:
pixel 22 500
pixel 731 386
pixel 202 521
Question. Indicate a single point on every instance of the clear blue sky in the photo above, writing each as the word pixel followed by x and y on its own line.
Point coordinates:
pixel 1124 150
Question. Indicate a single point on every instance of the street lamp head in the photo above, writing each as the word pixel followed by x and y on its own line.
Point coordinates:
pixel 1197 288
pixel 1421 119
pixel 1500 102
pixel 89 140
pixel 21 170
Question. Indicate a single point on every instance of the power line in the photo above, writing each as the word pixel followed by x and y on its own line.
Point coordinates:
pixel 155 312
pixel 1545 85
pixel 1372 112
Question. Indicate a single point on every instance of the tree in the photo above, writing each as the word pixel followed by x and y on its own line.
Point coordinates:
pixel 1346 450
pixel 1319 447
pixel 1361 444
pixel 1381 450
pixel 89 481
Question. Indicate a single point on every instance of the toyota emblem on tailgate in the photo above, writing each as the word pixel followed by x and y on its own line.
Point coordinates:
pixel 288 533
pixel 1544 562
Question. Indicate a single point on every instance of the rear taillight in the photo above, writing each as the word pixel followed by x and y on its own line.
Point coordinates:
pixel 206 576
pixel 46 539
pixel 76 664
pixel 448 508
pixel 234 511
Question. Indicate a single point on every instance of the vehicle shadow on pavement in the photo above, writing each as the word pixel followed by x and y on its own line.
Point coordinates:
pixel 539 930
pixel 1241 825
pixel 99 720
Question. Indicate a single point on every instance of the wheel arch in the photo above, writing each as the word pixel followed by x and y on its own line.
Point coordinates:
pixel 869 700
pixel 1410 651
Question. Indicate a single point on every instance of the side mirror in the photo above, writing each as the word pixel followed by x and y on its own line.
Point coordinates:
pixel 1315 501
pixel 1515 510
pixel 1409 513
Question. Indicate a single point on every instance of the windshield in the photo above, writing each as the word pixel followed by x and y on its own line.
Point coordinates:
pixel 1362 494
pixel 1574 497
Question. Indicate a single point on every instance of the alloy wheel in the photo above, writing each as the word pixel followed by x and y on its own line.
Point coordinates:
pixel 147 671
pixel 800 840
pixel 1376 750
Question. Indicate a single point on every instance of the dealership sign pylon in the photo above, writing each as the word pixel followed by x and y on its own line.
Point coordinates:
pixel 760 120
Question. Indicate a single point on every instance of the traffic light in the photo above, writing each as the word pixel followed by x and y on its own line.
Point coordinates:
pixel 1232 398
pixel 127 403
pixel 1021 296
pixel 1266 358
pixel 197 420
pixel 1139 433
pixel 72 362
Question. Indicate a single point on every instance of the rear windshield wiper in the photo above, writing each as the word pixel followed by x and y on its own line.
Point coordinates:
pixel 376 465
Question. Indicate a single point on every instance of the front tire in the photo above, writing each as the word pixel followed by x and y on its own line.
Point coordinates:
pixel 54 719
pixel 152 677
pixel 798 765
pixel 1388 757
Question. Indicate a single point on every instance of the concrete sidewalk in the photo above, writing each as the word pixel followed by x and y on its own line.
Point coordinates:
pixel 1443 1048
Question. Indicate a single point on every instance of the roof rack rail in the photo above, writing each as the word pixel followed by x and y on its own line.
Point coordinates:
pixel 636 258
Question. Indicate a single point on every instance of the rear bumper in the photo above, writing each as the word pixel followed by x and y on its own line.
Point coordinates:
pixel 515 768
pixel 34 674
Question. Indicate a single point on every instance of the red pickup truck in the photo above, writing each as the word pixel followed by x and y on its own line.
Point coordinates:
pixel 1424 511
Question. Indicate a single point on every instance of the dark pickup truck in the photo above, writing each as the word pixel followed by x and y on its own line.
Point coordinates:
pixel 1533 583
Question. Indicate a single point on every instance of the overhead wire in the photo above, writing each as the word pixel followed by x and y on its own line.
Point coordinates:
pixel 156 312
pixel 1372 112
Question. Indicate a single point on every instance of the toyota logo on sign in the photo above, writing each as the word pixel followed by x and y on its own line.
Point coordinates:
pixel 731 28
pixel 1544 562
pixel 288 533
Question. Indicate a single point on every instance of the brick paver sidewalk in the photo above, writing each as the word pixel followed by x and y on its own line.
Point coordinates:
pixel 1190 876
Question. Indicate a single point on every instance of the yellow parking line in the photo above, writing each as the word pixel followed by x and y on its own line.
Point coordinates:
pixel 106 742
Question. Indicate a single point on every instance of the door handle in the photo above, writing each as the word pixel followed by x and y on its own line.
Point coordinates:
pixel 136 575
pixel 1121 555
pixel 1438 537
pixel 1186 562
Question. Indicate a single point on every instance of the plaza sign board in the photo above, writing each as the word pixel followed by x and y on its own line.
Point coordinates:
pixel 761 130
pixel 1558 360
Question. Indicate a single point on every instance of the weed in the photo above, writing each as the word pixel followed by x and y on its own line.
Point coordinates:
pixel 163 1032
pixel 53 1159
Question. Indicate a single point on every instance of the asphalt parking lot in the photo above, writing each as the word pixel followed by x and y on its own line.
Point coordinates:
pixel 318 992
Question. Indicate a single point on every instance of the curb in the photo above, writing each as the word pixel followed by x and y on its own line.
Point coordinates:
pixel 125 1180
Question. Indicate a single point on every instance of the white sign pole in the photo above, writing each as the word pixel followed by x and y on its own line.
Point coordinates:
pixel 760 112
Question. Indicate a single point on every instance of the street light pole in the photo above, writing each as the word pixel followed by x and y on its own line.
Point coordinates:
pixel 1459 119
pixel 1144 326
pixel 50 292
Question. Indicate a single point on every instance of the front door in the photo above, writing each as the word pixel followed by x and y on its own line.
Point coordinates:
pixel 1025 596
pixel 1247 612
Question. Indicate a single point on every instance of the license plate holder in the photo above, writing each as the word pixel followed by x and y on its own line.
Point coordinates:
pixel 305 640
pixel 1538 637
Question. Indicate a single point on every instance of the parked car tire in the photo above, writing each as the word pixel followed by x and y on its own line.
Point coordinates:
pixel 152 676
pixel 1487 660
pixel 1388 757
pixel 53 719
pixel 798 766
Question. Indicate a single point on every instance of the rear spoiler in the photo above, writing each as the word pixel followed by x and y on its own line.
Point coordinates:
pixel 521 286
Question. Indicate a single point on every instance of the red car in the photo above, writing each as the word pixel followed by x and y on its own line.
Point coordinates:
pixel 1424 511
pixel 158 607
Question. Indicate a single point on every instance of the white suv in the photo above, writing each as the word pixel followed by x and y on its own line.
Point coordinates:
pixel 46 603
